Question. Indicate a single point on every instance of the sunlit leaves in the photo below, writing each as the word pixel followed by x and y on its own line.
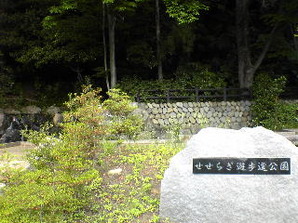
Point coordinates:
pixel 184 11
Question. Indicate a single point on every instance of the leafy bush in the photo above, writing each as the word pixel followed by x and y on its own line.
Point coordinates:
pixel 122 122
pixel 287 115
pixel 187 77
pixel 137 86
pixel 63 170
pixel 197 75
pixel 268 110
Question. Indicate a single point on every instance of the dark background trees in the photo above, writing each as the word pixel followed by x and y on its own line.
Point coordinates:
pixel 66 43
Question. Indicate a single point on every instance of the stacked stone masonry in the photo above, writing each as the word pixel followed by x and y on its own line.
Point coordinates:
pixel 195 115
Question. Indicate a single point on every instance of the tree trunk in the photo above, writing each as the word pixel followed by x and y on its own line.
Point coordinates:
pixel 246 69
pixel 104 42
pixel 158 44
pixel 294 31
pixel 78 71
pixel 112 23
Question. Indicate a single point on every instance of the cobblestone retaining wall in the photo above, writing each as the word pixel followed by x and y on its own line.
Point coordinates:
pixel 191 116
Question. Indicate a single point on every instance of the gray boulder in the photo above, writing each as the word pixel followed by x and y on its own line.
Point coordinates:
pixel 12 133
pixel 211 198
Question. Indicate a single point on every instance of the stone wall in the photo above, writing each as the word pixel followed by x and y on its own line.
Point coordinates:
pixel 186 117
pixel 191 116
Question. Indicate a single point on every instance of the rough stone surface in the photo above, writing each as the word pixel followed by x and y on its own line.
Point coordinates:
pixel 190 198
pixel 53 110
pixel 2 122
pixel 215 114
pixel 11 111
pixel 31 110
pixel 12 133
pixel 57 119
pixel 117 171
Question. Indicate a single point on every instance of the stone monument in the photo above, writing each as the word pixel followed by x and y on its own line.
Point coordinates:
pixel 225 175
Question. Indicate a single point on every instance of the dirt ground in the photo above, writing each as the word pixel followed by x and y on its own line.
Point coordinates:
pixel 17 149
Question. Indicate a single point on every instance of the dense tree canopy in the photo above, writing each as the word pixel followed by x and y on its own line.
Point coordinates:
pixel 105 41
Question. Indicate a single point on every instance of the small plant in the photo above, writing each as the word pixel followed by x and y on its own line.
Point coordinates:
pixel 120 120
pixel 175 127
pixel 267 109
pixel 225 124
pixel 203 120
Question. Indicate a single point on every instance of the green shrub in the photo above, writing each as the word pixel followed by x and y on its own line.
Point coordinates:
pixel 198 75
pixel 55 189
pixel 268 110
pixel 138 86
pixel 121 121
pixel 63 175
pixel 287 115
pixel 187 77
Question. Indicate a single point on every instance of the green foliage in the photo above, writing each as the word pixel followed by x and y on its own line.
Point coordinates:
pixel 55 189
pixel 58 187
pixel 287 115
pixel 115 114
pixel 184 11
pixel 53 34
pixel 122 5
pixel 187 77
pixel 121 119
pixel 268 110
pixel 67 180
pixel 65 35
pixel 118 103
pixel 196 75
pixel 135 85
pixel 133 196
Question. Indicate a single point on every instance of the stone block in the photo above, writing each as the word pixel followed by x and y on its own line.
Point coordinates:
pixel 211 198
pixel 179 104
pixel 155 111
pixel 31 109
pixel 190 105
pixel 192 120
pixel 52 110
pixel 11 111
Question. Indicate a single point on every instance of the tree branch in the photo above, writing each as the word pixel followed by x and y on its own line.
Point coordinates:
pixel 266 48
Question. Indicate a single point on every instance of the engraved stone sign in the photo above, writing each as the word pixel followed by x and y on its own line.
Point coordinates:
pixel 224 175
pixel 242 166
